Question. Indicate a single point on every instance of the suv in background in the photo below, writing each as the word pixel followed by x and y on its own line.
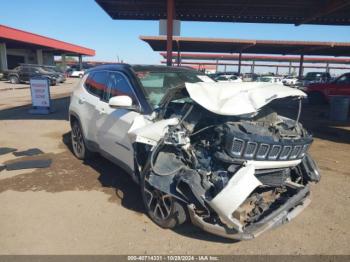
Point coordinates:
pixel 313 77
pixel 319 93
pixel 24 73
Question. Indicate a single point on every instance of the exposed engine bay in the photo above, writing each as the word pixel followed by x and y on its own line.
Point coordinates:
pixel 239 175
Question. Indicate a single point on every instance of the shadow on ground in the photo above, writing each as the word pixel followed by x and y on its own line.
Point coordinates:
pixel 59 105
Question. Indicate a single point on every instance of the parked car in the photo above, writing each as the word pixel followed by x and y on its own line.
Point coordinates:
pixel 249 77
pixel 313 77
pixel 77 73
pixel 217 150
pixel 319 93
pixel 60 76
pixel 270 79
pixel 289 80
pixel 23 73
pixel 228 78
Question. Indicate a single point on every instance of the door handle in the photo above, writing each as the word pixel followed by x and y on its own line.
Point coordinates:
pixel 81 100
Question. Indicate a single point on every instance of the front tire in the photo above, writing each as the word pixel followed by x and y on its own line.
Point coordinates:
pixel 78 142
pixel 162 208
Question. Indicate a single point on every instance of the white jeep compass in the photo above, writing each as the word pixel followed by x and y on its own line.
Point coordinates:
pixel 217 154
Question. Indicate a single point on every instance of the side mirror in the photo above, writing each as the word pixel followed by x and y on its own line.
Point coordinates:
pixel 120 101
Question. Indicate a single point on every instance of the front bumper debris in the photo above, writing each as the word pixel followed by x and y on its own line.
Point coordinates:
pixel 285 213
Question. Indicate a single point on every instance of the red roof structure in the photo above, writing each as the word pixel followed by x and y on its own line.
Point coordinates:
pixel 265 58
pixel 15 38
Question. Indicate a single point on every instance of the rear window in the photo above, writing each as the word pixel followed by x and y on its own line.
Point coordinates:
pixel 95 83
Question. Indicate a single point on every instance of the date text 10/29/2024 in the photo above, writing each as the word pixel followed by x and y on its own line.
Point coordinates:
pixel 173 258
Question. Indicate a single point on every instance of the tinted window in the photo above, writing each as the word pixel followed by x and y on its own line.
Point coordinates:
pixel 119 86
pixel 25 70
pixel 221 78
pixel 96 83
pixel 345 79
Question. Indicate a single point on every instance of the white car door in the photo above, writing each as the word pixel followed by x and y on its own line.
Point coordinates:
pixel 113 124
pixel 88 98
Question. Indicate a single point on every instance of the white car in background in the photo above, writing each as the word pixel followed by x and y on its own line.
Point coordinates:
pixel 290 80
pixel 270 79
pixel 77 73
pixel 213 153
pixel 228 78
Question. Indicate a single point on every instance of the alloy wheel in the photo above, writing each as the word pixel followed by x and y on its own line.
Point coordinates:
pixel 158 203
pixel 77 140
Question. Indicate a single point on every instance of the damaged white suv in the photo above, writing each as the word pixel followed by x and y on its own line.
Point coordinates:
pixel 214 153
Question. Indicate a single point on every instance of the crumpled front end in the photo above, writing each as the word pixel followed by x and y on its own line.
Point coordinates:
pixel 238 175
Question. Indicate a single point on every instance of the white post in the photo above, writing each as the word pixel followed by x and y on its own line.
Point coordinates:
pixel 3 57
pixel 39 56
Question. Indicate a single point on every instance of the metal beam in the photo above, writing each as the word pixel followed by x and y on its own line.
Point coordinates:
pixel 331 7
pixel 258 65
pixel 169 31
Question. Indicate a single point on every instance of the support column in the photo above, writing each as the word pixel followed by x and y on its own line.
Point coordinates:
pixel 239 63
pixel 80 62
pixel 63 62
pixel 3 57
pixel 217 65
pixel 327 67
pixel 169 32
pixel 178 54
pixel 276 70
pixel 252 67
pixel 290 68
pixel 225 68
pixel 301 69
pixel 39 57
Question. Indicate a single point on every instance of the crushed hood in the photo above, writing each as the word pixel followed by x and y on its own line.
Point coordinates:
pixel 238 98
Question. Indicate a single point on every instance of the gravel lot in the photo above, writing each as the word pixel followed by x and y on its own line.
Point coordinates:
pixel 77 207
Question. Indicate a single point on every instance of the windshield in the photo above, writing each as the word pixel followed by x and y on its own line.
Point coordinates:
pixel 312 76
pixel 265 79
pixel 41 70
pixel 156 83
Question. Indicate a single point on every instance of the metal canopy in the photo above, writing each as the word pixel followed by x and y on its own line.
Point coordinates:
pixel 19 39
pixel 326 12
pixel 222 45
pixel 265 58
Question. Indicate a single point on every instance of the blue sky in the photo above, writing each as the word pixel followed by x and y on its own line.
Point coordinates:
pixel 84 23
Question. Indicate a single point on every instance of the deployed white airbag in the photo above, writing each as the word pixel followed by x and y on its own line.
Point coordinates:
pixel 238 98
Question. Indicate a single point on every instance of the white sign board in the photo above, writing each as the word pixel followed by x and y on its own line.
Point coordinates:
pixel 39 89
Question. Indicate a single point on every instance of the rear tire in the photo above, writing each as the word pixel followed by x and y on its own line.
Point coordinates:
pixel 162 208
pixel 14 80
pixel 78 142
pixel 316 98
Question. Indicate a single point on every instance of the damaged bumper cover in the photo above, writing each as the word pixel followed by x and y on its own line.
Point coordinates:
pixel 285 213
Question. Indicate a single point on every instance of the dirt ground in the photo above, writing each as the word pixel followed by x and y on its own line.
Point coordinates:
pixel 93 207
